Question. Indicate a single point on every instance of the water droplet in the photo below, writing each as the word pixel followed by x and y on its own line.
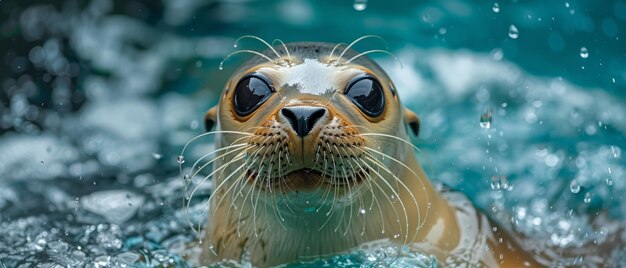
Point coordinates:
pixel 362 211
pixel 587 198
pixel 194 124
pixel 499 182
pixel 221 67
pixel 616 151
pixel 41 162
pixel 186 178
pixel 496 8
pixel 584 53
pixel 566 4
pixel 486 117
pixel 513 32
pixel 609 181
pixel 157 156
pixel 235 45
pixel 359 5
pixel 574 187
pixel 180 159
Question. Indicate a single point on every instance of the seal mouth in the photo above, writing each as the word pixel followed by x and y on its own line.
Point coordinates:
pixel 306 178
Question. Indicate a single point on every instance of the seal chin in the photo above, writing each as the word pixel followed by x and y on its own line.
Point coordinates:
pixel 306 179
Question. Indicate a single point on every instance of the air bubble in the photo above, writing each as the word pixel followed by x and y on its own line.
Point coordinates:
pixel 584 53
pixel 359 5
pixel 513 32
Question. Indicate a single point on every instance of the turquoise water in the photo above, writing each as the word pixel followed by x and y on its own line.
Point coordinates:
pixel 522 106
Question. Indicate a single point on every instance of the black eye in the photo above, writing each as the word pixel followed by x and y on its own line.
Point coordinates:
pixel 367 94
pixel 250 93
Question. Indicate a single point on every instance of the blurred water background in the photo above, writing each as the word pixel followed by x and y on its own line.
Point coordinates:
pixel 523 107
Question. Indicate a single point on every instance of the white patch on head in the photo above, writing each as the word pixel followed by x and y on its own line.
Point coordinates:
pixel 312 77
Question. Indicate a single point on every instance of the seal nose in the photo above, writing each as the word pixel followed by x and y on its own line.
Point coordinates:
pixel 303 118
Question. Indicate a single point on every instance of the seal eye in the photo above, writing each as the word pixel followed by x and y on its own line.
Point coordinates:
pixel 367 94
pixel 250 93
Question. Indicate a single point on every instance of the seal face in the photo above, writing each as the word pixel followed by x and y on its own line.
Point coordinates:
pixel 313 158
pixel 305 118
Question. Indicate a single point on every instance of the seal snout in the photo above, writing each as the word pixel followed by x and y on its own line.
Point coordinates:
pixel 303 118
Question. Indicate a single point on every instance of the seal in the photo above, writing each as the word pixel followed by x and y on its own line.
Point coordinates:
pixel 313 158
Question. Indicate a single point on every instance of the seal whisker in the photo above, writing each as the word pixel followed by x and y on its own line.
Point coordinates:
pixel 237 158
pixel 212 133
pixel 237 147
pixel 255 206
pixel 374 51
pixel 382 190
pixel 350 196
pixel 354 179
pixel 187 204
pixel 404 210
pixel 419 214
pixel 256 179
pixel 260 40
pixel 368 181
pixel 392 137
pixel 419 179
pixel 358 40
pixel 244 51
pixel 335 48
pixel 284 47
pixel 331 210
pixel 237 182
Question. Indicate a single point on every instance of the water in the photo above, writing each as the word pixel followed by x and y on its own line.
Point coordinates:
pixel 97 100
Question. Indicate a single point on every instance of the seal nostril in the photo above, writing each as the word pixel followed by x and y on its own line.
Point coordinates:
pixel 303 118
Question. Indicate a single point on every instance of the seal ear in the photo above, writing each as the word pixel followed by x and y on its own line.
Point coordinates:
pixel 209 118
pixel 412 121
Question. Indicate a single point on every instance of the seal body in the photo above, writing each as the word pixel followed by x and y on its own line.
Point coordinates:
pixel 314 159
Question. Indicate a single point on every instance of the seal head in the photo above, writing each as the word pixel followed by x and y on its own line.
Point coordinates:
pixel 314 159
